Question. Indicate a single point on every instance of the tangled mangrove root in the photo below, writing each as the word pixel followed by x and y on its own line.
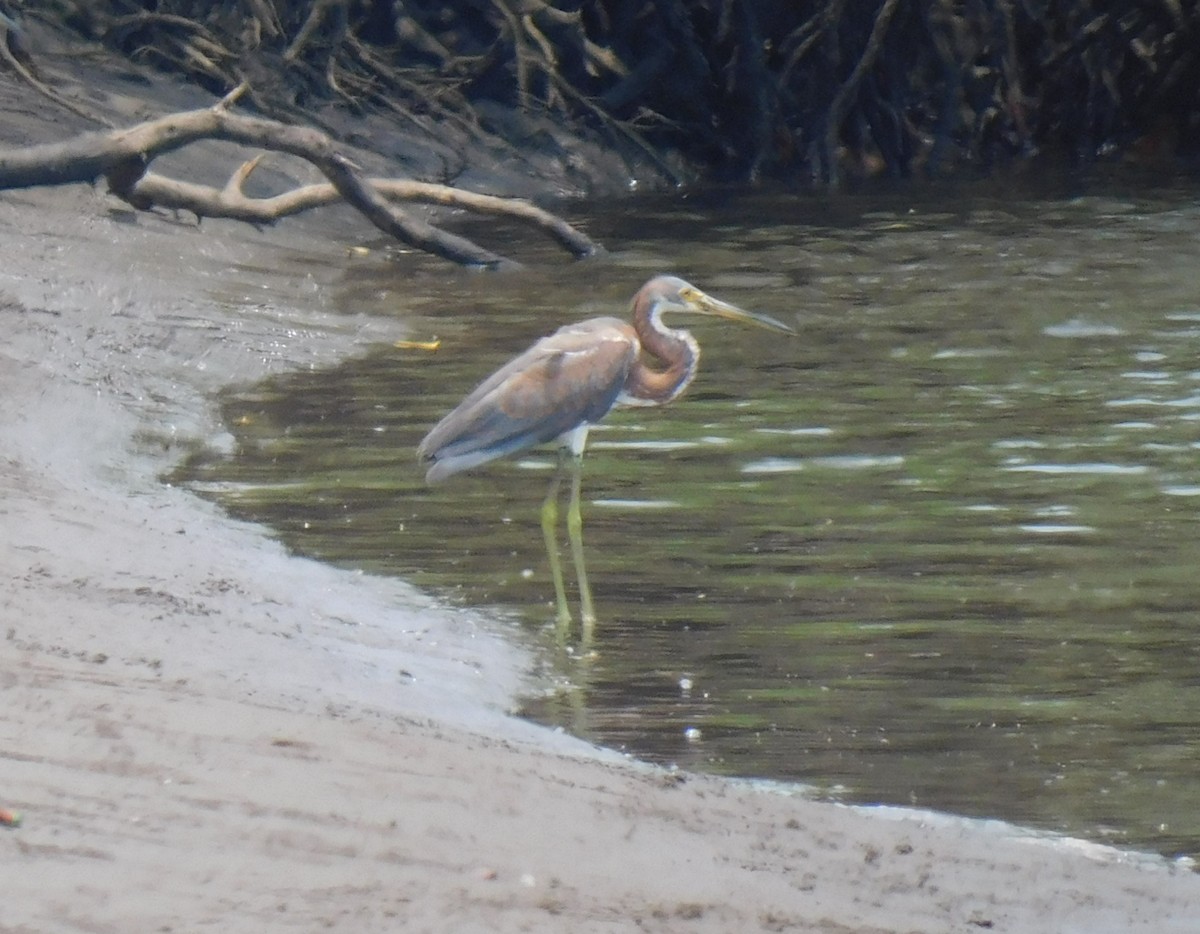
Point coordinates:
pixel 738 89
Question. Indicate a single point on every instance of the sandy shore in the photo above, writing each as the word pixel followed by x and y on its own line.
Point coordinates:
pixel 202 731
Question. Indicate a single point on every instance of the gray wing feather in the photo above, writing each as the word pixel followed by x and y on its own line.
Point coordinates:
pixel 570 378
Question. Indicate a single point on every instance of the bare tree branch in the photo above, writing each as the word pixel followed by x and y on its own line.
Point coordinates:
pixel 123 158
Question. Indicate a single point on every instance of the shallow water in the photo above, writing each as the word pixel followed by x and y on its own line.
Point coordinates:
pixel 941 549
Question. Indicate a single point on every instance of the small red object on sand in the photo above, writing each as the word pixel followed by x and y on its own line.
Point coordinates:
pixel 9 818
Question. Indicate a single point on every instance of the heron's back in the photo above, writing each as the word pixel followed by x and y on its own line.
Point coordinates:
pixel 569 379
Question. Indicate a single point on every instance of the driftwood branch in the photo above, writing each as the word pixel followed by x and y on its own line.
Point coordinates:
pixel 123 158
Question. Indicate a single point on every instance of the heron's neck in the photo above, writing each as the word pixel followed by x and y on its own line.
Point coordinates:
pixel 676 350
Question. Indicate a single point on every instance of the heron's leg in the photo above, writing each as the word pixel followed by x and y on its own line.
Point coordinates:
pixel 587 611
pixel 550 533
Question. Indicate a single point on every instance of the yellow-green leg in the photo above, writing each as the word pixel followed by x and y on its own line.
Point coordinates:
pixel 587 611
pixel 550 533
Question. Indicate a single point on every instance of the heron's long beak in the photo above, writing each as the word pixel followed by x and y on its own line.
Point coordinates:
pixel 704 304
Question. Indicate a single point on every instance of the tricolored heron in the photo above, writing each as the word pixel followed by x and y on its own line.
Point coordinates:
pixel 565 383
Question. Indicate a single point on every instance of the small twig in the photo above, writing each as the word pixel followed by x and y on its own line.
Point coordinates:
pixel 233 96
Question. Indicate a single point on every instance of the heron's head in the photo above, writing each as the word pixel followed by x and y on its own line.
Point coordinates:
pixel 670 293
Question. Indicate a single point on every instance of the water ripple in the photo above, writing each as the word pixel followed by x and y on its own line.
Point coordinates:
pixel 857 461
pixel 1093 468
pixel 1052 528
pixel 833 462
pixel 774 465
pixel 1187 402
pixel 637 503
pixel 645 445
pixel 796 432
pixel 1078 327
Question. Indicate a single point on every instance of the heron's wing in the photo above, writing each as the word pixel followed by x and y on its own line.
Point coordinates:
pixel 570 378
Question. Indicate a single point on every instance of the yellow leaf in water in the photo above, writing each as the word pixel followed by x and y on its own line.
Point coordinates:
pixel 418 345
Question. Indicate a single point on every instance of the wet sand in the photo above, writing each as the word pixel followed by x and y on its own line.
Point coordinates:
pixel 203 731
